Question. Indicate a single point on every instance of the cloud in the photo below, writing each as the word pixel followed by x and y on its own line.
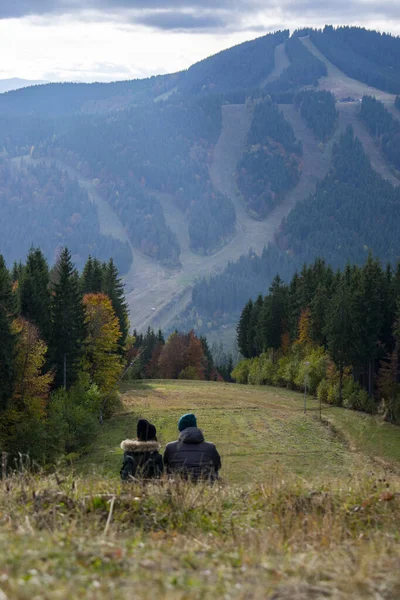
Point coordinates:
pixel 207 15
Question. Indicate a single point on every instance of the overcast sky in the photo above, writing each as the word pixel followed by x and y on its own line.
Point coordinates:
pixel 106 40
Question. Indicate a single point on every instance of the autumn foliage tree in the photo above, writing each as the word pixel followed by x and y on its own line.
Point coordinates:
pixel 101 359
pixel 182 357
pixel 27 407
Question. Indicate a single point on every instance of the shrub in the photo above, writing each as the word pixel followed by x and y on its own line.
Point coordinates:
pixel 333 394
pixel 189 373
pixel 269 370
pixel 322 391
pixel 313 372
pixel 254 376
pixel 355 397
pixel 240 373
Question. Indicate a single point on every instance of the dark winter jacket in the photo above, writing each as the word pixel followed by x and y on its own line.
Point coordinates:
pixel 191 457
pixel 141 460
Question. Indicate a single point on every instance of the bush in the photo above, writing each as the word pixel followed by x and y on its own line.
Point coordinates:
pixel 254 376
pixel 189 373
pixel 333 394
pixel 355 397
pixel 313 372
pixel 322 391
pixel 73 419
pixel 240 373
pixel 269 370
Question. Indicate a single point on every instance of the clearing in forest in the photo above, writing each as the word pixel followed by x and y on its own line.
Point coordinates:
pixel 258 430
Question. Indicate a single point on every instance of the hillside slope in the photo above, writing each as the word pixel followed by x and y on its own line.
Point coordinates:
pixel 256 429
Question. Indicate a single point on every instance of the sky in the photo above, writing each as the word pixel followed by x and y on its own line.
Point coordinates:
pixel 108 40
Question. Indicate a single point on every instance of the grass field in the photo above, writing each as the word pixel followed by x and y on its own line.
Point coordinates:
pixel 305 509
pixel 257 430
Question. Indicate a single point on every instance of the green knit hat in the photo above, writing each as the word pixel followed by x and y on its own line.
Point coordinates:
pixel 188 420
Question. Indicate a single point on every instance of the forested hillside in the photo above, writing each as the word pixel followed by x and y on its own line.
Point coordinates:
pixel 319 112
pixel 384 128
pixel 165 147
pixel 62 99
pixel 41 204
pixel 271 162
pixel 304 70
pixel 242 67
pixel 342 222
pixel 369 56
pixel 140 154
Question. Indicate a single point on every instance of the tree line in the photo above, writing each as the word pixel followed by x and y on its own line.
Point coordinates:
pixel 336 332
pixel 61 354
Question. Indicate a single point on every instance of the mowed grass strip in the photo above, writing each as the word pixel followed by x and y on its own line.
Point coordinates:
pixel 256 429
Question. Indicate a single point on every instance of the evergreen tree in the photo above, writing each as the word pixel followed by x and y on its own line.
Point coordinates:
pixel 274 315
pixel 341 330
pixel 34 293
pixel 242 329
pixel 114 288
pixel 87 277
pixel 318 315
pixel 208 362
pixel 370 314
pixel 68 322
pixel 254 333
pixel 7 339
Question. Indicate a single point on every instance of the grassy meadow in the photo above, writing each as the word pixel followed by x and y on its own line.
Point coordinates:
pixel 304 510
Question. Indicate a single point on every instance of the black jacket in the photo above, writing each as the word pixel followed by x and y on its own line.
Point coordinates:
pixel 141 459
pixel 191 457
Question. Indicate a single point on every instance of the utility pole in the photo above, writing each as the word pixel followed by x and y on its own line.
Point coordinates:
pixel 305 387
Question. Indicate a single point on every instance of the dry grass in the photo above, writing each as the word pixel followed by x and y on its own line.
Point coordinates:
pixel 280 539
pixel 298 527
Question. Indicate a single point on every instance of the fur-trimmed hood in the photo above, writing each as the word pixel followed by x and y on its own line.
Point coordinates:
pixel 138 446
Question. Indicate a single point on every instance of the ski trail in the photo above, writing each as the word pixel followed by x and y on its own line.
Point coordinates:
pixel 281 63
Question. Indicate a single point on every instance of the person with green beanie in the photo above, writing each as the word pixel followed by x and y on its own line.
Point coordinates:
pixel 191 456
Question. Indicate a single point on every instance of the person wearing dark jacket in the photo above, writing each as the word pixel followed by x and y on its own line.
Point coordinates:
pixel 141 456
pixel 191 456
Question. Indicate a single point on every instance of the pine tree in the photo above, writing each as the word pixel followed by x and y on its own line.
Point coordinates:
pixel 274 315
pixel 87 286
pixel 370 316
pixel 319 305
pixel 68 322
pixel 208 359
pixel 340 330
pixel 114 288
pixel 34 293
pixel 242 329
pixel 254 333
pixel 7 338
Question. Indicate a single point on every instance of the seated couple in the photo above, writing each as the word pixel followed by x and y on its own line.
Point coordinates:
pixel 189 457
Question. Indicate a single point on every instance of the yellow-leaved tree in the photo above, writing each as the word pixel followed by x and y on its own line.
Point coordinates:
pixel 101 360
pixel 25 416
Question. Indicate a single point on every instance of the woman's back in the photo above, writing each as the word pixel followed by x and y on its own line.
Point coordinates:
pixel 141 459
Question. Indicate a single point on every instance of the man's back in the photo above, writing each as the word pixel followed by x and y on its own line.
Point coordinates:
pixel 192 457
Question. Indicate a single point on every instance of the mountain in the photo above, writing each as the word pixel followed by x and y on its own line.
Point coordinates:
pixel 205 183
pixel 15 83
